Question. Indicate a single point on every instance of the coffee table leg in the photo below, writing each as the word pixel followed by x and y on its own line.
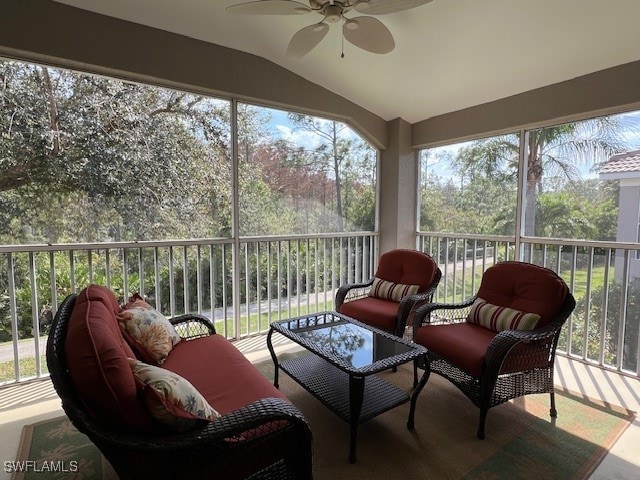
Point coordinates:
pixel 274 358
pixel 356 395
pixel 417 389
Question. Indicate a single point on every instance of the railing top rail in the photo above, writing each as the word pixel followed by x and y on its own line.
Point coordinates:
pixel 50 247
pixel 470 236
pixel 582 243
pixel 537 240
pixel 312 236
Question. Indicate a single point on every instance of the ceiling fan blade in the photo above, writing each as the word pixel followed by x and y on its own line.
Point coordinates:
pixel 269 7
pixel 381 7
pixel 369 34
pixel 306 40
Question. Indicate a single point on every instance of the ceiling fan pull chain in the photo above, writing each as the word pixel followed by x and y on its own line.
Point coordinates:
pixel 342 36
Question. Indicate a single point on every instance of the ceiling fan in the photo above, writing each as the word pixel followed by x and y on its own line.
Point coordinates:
pixel 365 32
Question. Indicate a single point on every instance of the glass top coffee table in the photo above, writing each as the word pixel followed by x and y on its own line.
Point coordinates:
pixel 339 369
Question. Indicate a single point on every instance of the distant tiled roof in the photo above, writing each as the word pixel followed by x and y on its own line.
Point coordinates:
pixel 622 163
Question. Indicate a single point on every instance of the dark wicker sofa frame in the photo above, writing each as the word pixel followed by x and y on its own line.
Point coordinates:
pixel 517 362
pixel 224 449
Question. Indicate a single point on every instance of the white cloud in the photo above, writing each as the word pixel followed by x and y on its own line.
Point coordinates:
pixel 305 139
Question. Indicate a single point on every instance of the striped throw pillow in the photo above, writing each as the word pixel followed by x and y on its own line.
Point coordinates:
pixel 391 291
pixel 498 318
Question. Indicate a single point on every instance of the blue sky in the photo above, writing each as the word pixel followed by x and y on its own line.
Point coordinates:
pixel 281 128
pixel 630 122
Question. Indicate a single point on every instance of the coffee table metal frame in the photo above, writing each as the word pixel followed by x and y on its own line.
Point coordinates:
pixel 354 394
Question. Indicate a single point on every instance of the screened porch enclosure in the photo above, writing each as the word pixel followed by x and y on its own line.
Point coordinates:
pixel 289 219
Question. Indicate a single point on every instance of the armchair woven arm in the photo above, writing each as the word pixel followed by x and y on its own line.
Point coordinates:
pixel 352 291
pixel 528 354
pixel 502 348
pixel 521 350
pixel 193 325
pixel 434 313
pixel 411 303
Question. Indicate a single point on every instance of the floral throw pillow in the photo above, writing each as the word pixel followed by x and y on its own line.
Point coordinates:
pixel 391 291
pixel 499 318
pixel 171 399
pixel 149 332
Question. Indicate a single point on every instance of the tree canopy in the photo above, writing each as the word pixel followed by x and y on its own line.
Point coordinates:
pixel 472 187
pixel 86 158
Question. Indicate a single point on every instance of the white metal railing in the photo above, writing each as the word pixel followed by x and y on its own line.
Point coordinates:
pixel 244 286
pixel 241 285
pixel 603 276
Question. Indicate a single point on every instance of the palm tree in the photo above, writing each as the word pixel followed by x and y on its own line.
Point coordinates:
pixel 558 150
pixel 561 149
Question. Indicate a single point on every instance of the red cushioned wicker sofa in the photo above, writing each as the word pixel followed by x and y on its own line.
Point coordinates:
pixel 259 434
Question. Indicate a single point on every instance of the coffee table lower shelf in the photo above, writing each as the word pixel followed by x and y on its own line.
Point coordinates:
pixel 330 385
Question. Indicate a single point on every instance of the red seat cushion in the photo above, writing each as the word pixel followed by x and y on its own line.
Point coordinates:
pixel 97 355
pixel 525 287
pixel 462 344
pixel 409 267
pixel 373 311
pixel 223 375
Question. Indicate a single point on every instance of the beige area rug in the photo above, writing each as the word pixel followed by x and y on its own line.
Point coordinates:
pixel 522 441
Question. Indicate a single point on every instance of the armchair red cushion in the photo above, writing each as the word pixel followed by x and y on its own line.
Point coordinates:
pixel 376 312
pixel 525 287
pixel 408 267
pixel 462 344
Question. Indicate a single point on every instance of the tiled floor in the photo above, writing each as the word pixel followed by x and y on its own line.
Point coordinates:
pixel 623 460
pixel 35 401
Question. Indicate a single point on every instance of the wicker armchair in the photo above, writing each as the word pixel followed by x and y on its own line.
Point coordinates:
pixel 491 367
pixel 397 267
pixel 268 439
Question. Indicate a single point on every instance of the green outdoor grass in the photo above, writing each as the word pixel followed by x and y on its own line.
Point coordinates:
pixel 260 323
pixel 580 282
pixel 462 292
pixel 27 369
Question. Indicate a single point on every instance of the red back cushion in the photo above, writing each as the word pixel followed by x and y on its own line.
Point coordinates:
pixel 97 360
pixel 525 287
pixel 409 267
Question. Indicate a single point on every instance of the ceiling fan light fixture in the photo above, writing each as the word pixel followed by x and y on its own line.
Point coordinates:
pixel 362 6
pixel 351 24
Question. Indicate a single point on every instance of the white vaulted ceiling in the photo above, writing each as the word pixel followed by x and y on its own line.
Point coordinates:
pixel 449 55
